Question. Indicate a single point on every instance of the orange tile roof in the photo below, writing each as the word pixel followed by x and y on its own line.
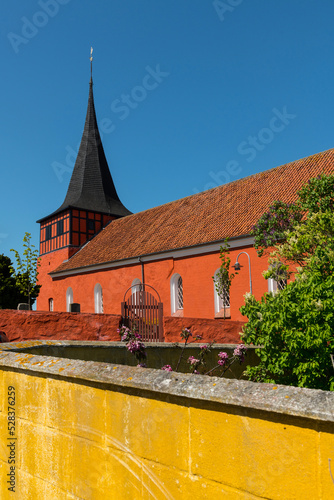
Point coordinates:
pixel 229 210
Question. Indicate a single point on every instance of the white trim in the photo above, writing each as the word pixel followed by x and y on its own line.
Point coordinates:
pixel 136 285
pixel 98 299
pixel 69 298
pixel 175 254
pixel 273 285
pixel 219 304
pixel 173 293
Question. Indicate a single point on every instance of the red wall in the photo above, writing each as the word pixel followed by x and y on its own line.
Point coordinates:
pixel 217 330
pixel 196 272
pixel 49 262
pixel 28 325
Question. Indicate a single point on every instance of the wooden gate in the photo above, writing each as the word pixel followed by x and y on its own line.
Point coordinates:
pixel 144 312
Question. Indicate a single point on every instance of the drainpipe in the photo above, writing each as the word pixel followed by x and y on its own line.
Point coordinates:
pixel 142 271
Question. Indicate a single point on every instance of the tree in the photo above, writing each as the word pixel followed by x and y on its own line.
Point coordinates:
pixel 272 226
pixel 317 195
pixel 295 326
pixel 223 278
pixel 9 293
pixel 27 271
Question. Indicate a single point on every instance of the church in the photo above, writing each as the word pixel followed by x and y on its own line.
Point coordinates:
pixel 98 257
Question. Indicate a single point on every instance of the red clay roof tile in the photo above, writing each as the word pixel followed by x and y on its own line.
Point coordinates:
pixel 229 210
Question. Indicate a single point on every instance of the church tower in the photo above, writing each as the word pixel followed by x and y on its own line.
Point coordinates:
pixel 91 202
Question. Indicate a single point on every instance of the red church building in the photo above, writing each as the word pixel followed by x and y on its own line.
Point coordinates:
pixel 97 255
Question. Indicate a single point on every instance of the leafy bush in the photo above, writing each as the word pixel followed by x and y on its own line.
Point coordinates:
pixel 295 327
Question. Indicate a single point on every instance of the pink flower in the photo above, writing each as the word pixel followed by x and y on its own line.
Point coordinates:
pixel 167 368
pixel 192 360
pixel 240 352
pixel 205 346
pixel 223 358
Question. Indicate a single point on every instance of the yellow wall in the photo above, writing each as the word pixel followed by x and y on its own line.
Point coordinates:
pixel 91 440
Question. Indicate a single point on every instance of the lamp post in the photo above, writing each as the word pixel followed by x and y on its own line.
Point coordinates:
pixel 237 268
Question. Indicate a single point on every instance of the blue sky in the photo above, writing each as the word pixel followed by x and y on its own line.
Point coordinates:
pixel 189 94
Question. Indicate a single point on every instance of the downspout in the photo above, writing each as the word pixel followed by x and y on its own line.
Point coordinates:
pixel 142 271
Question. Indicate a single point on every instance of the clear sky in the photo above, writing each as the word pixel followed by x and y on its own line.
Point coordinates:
pixel 189 94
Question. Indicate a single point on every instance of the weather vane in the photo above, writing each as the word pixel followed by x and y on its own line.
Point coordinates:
pixel 91 62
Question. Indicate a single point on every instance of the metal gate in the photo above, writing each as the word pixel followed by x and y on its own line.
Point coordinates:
pixel 144 312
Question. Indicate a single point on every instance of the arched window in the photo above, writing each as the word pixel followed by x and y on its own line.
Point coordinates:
pixel 176 294
pixel 50 304
pixel 276 286
pixel 136 286
pixel 279 280
pixel 98 298
pixel 69 298
pixel 222 303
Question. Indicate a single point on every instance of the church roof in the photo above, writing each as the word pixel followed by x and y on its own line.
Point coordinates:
pixel 91 186
pixel 229 210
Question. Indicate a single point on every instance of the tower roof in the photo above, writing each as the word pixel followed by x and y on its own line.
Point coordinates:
pixel 91 186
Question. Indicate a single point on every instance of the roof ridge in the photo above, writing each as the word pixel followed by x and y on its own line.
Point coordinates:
pixel 226 211
pixel 242 179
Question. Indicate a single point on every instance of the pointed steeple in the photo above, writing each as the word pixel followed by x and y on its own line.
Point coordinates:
pixel 91 186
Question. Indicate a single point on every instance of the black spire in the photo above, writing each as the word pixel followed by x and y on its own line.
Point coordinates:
pixel 91 186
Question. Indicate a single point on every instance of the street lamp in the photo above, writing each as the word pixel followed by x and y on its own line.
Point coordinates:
pixel 237 268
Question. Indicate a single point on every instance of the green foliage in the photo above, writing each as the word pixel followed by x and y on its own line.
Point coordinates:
pixel 318 194
pixel 27 271
pixel 10 295
pixel 223 277
pixel 272 225
pixel 295 327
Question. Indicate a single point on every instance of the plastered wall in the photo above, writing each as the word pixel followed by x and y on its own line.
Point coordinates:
pixel 87 430
pixel 28 325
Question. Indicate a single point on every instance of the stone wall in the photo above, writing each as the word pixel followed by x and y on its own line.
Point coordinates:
pixel 26 325
pixel 219 330
pixel 88 430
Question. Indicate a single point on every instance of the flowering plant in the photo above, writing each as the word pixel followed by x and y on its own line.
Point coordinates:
pixel 225 362
pixel 295 326
pixel 167 368
pixel 272 225
pixel 185 335
pixel 133 343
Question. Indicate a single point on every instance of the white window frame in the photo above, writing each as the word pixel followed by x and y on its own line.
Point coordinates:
pixel 275 286
pixel 69 298
pixel 51 304
pixel 219 304
pixel 98 299
pixel 136 286
pixel 174 296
